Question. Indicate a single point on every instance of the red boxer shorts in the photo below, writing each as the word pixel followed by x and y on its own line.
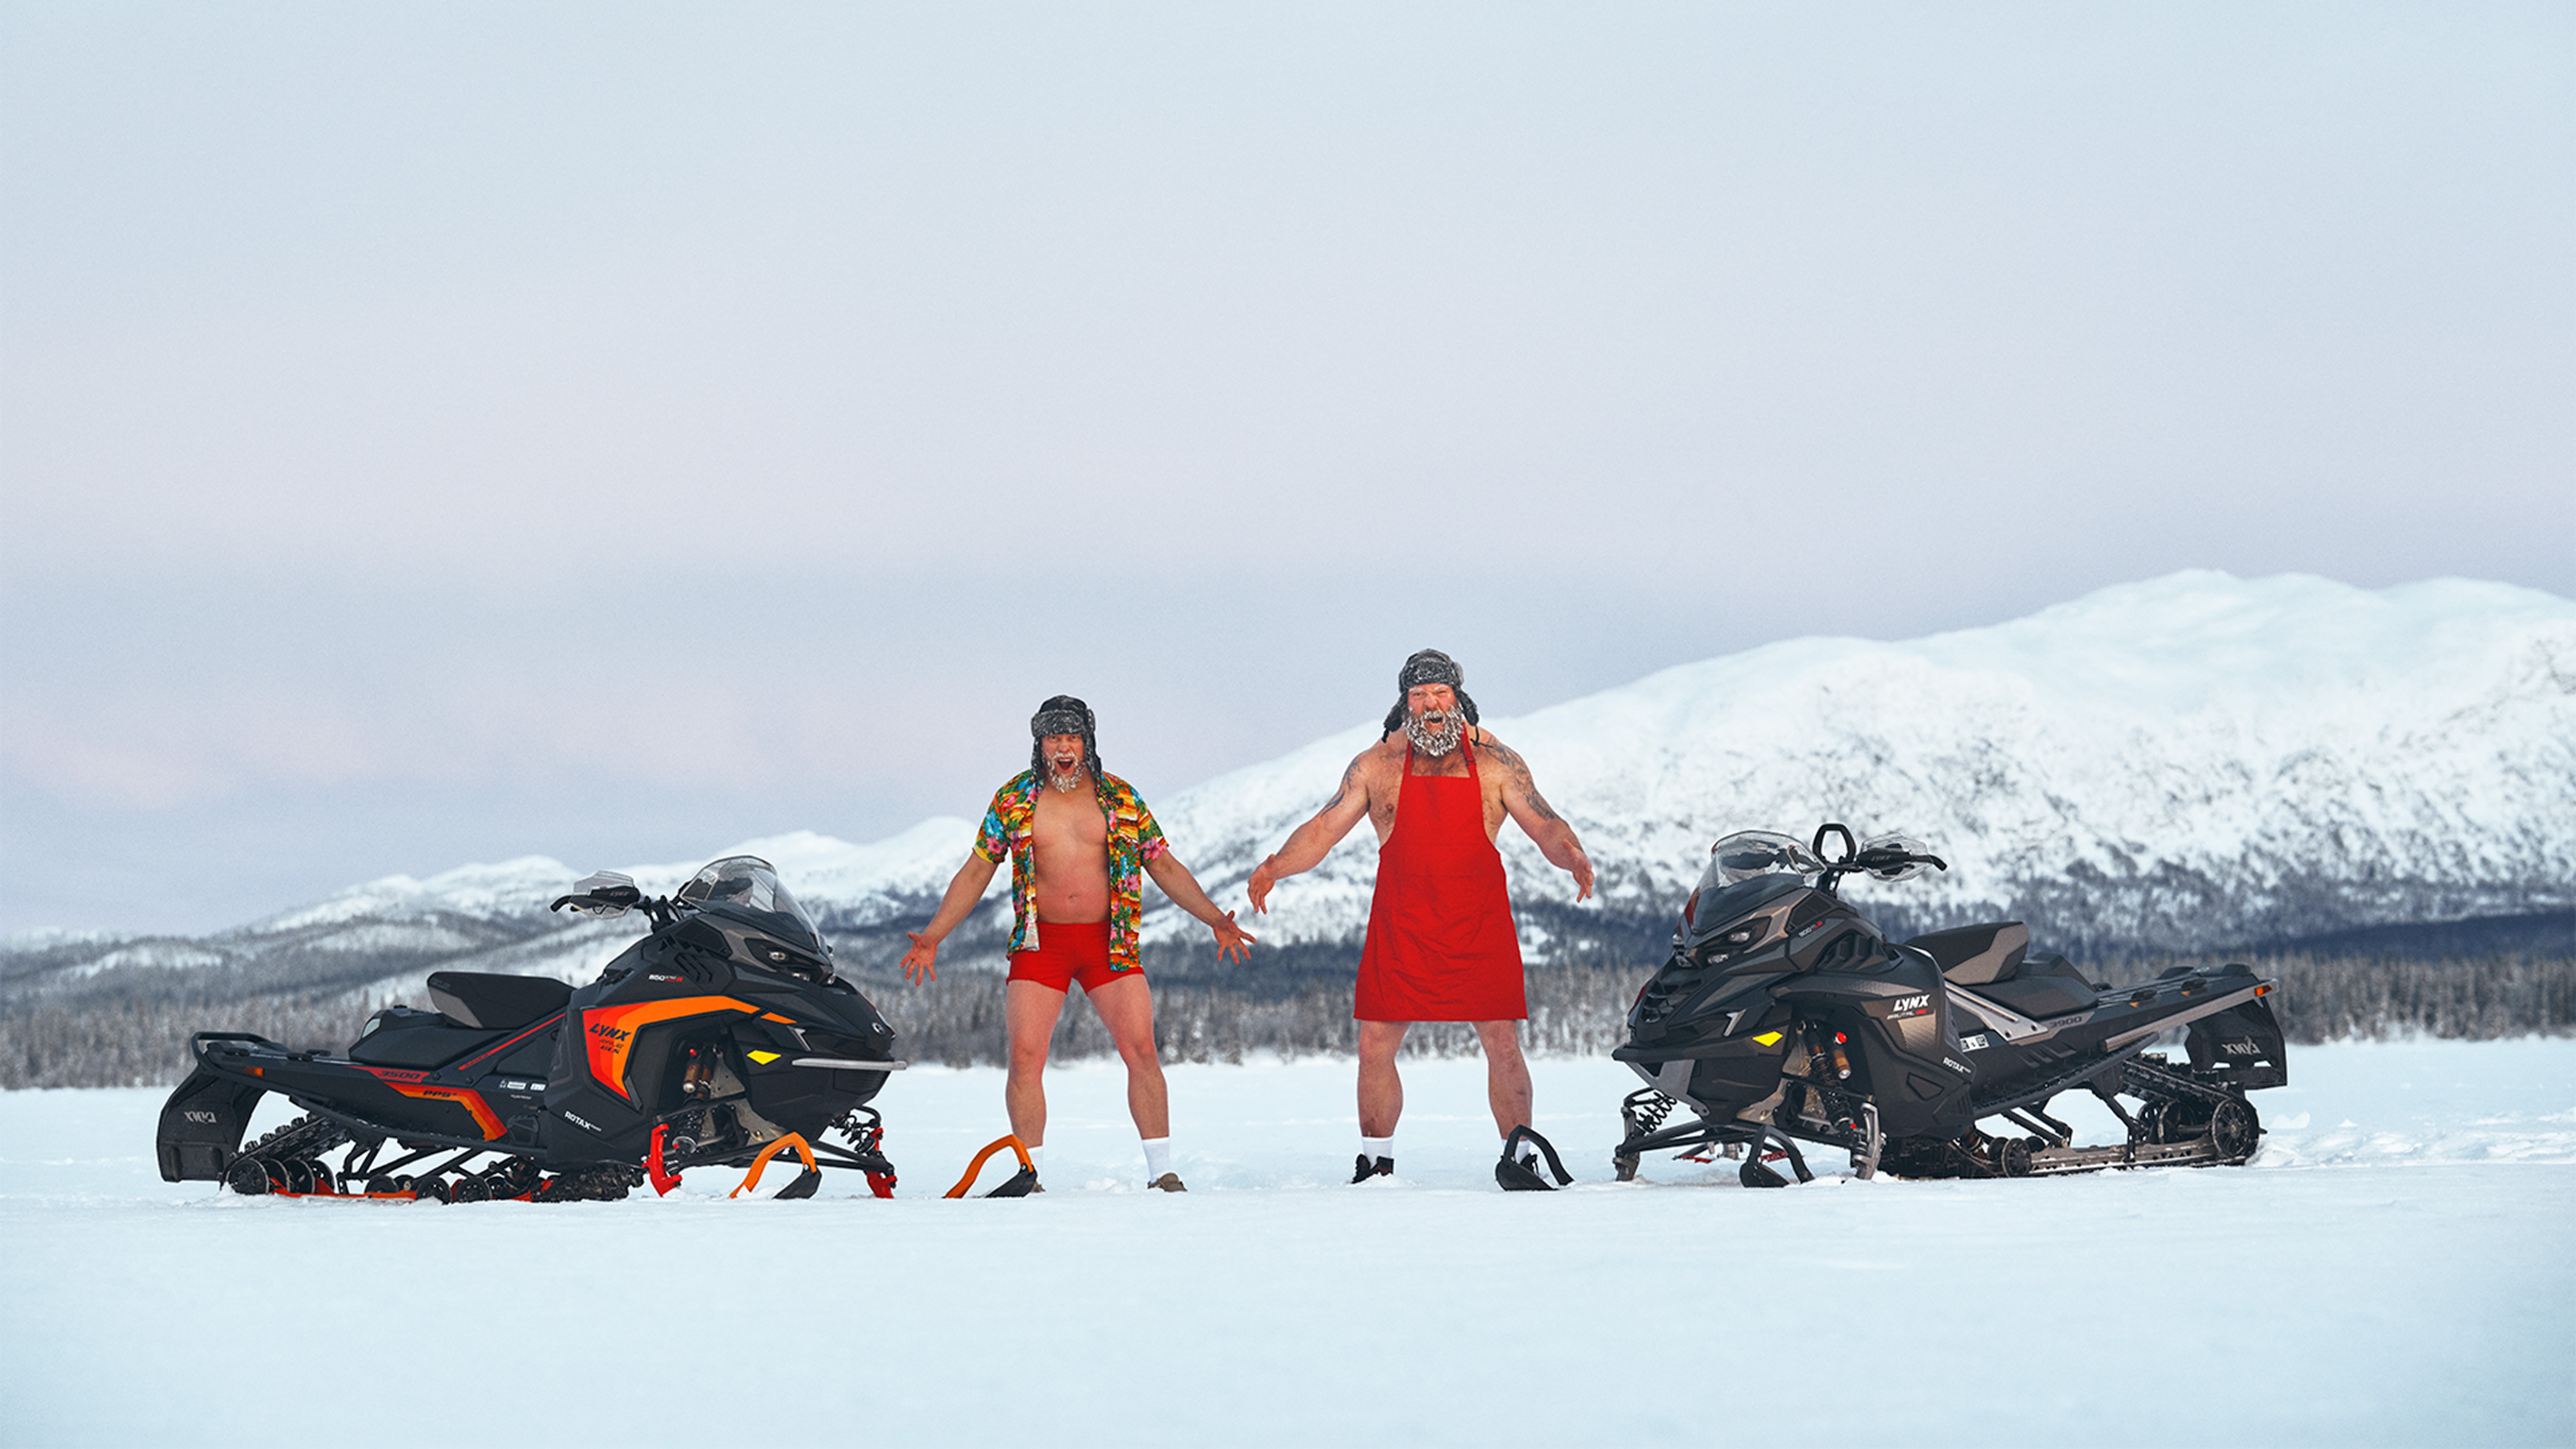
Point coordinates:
pixel 1068 952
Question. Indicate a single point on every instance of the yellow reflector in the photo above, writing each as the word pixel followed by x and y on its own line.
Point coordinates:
pixel 1768 1038
pixel 764 1058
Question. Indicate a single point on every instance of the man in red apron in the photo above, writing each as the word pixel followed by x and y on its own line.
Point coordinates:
pixel 1441 945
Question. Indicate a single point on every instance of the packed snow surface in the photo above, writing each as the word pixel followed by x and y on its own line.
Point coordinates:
pixel 2392 1268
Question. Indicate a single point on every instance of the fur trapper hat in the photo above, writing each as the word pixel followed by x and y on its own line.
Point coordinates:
pixel 1064 715
pixel 1428 666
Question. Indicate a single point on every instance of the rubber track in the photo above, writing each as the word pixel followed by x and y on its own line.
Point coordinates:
pixel 305 1137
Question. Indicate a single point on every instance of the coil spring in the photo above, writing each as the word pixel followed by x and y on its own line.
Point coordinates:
pixel 1645 1110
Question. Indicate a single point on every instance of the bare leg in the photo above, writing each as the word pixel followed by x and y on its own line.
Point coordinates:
pixel 1381 1090
pixel 1507 1079
pixel 1126 1007
pixel 1028 1013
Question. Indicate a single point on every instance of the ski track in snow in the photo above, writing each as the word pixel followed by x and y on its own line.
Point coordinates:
pixel 2392 1268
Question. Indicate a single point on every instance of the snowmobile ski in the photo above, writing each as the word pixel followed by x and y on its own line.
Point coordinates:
pixel 1019 1184
pixel 1514 1173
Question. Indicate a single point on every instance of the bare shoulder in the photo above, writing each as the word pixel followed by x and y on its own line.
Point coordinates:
pixel 1366 777
pixel 1492 748
pixel 1379 763
pixel 1510 779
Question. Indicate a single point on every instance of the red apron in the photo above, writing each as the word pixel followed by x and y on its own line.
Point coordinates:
pixel 1440 945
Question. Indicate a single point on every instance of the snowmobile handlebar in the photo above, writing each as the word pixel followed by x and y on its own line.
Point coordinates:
pixel 1878 859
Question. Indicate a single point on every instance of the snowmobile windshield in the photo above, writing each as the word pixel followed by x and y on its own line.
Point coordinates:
pixel 1722 905
pixel 748 887
pixel 1749 853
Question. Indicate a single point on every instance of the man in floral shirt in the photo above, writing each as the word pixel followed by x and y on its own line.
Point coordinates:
pixel 1080 845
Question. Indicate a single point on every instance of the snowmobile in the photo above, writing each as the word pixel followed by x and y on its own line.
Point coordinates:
pixel 1784 1016
pixel 721 1038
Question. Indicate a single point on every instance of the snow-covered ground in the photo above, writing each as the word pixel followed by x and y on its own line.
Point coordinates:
pixel 2395 1267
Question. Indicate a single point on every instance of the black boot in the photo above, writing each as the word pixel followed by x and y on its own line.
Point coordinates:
pixel 1365 1167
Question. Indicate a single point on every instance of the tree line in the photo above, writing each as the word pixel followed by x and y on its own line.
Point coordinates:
pixel 130 1026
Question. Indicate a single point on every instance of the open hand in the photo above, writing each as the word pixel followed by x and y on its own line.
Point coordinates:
pixel 917 962
pixel 1233 943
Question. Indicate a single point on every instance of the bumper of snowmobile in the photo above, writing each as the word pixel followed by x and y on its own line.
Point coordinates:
pixel 202 1122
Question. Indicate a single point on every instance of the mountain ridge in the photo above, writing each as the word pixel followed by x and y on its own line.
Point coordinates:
pixel 2177 764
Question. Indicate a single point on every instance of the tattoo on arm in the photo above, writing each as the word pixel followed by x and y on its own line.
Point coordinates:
pixel 1342 791
pixel 1518 776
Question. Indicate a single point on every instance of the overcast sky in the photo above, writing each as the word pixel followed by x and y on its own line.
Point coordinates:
pixel 448 433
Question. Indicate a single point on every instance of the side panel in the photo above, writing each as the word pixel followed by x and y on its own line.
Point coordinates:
pixel 1898 1017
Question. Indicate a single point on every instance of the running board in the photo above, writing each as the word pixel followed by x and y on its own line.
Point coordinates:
pixel 2050 1161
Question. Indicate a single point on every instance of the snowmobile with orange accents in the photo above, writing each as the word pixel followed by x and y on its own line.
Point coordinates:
pixel 721 1038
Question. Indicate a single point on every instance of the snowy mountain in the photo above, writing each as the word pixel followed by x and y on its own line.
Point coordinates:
pixel 2188 763
pixel 2195 761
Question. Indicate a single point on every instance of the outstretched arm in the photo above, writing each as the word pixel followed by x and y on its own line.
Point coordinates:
pixel 1308 843
pixel 1233 943
pixel 964 889
pixel 1522 800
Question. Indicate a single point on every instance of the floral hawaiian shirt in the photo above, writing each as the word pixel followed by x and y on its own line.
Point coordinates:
pixel 1134 839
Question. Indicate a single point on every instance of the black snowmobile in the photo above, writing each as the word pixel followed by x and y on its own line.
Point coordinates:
pixel 1783 1015
pixel 723 1037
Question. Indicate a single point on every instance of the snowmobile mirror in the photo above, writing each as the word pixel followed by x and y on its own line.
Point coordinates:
pixel 1850 846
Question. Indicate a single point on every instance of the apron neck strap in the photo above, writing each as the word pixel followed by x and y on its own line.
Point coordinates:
pixel 1464 744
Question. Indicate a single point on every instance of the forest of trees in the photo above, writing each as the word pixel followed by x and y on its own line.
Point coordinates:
pixel 129 1026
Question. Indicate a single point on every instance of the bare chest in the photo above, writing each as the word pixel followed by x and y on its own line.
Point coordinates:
pixel 1068 823
pixel 1386 792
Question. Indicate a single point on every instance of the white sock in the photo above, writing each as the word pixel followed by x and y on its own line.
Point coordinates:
pixel 1037 1158
pixel 1158 1158
pixel 1374 1148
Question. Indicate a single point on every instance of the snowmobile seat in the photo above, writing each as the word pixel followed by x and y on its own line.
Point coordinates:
pixel 494 1002
pixel 406 1036
pixel 2043 986
pixel 1976 955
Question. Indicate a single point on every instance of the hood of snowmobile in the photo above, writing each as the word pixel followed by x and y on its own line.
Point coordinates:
pixel 1718 1025
pixel 802 1037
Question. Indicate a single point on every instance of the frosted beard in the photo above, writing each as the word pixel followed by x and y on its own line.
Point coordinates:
pixel 1435 732
pixel 1064 780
